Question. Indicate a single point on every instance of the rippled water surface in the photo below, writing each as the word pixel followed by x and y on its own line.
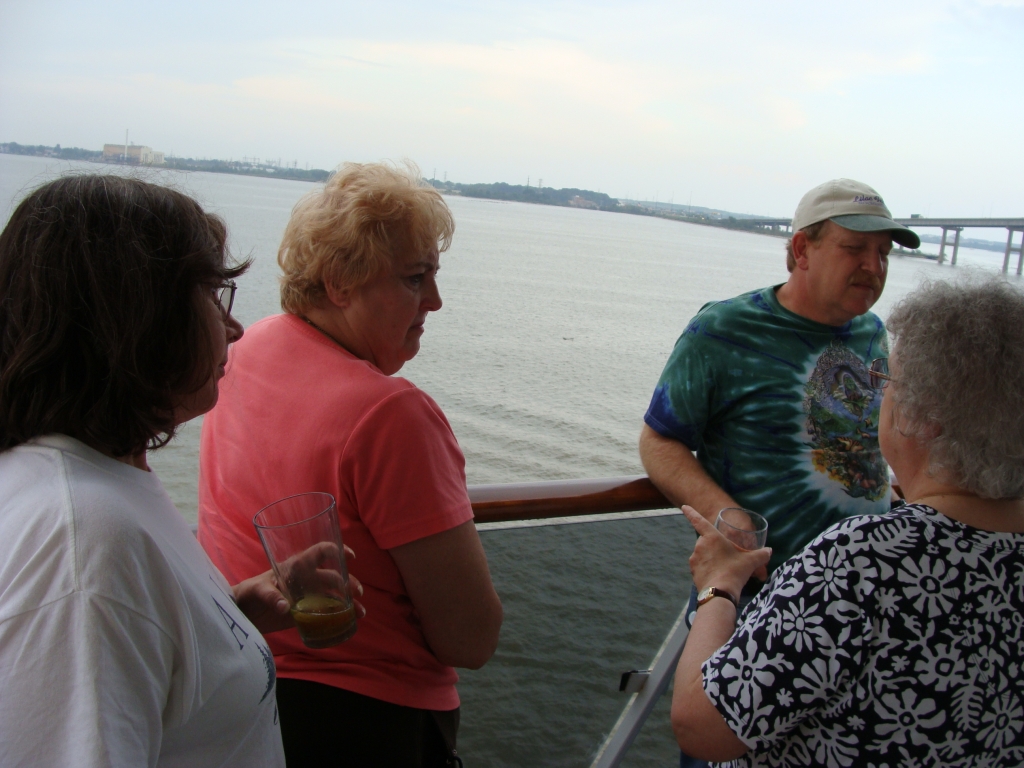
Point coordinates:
pixel 555 326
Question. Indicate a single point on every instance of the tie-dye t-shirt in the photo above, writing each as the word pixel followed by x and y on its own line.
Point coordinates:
pixel 780 412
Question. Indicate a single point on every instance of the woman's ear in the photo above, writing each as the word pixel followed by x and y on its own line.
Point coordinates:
pixel 929 431
pixel 339 297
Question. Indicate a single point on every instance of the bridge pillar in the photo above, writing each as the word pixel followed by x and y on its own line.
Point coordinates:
pixel 944 243
pixel 1010 248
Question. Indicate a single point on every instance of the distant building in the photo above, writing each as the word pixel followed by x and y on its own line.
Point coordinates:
pixel 582 202
pixel 136 154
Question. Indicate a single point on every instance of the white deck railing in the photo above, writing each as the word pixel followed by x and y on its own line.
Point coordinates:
pixel 560 502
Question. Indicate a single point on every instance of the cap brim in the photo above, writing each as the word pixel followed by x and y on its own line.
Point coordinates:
pixel 866 223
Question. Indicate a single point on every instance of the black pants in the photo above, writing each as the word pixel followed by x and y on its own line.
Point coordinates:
pixel 326 726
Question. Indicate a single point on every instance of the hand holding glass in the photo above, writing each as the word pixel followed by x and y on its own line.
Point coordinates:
pixel 746 529
pixel 302 539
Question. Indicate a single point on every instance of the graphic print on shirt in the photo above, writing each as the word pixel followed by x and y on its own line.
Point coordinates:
pixel 268 663
pixel 237 632
pixel 842 423
pixel 241 637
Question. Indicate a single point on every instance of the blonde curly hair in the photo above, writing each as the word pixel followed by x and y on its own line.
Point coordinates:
pixel 342 234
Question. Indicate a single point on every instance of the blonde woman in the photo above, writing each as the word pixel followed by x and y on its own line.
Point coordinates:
pixel 310 403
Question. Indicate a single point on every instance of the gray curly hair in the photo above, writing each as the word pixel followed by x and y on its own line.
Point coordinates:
pixel 960 348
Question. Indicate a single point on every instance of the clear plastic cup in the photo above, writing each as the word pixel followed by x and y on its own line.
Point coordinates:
pixel 302 539
pixel 746 529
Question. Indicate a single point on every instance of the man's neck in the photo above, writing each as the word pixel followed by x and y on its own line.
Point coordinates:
pixel 797 301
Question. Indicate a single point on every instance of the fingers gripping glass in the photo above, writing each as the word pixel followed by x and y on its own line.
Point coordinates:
pixel 879 377
pixel 224 295
pixel 302 539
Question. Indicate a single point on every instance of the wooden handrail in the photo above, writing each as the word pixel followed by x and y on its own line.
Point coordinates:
pixel 564 498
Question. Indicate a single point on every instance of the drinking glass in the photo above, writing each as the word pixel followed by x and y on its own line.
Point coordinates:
pixel 746 529
pixel 302 539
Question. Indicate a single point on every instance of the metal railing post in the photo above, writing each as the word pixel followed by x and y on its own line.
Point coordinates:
pixel 640 704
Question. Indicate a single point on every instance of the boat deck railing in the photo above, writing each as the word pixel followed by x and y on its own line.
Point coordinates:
pixel 563 502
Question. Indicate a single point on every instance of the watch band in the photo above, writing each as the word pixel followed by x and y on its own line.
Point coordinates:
pixel 708 593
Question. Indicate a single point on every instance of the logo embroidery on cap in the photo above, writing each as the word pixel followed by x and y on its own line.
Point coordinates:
pixel 870 199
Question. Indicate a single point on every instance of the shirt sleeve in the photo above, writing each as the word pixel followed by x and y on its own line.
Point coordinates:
pixel 799 645
pixel 682 402
pixel 406 470
pixel 86 683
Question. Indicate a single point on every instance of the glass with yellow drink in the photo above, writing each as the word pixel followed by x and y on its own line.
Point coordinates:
pixel 302 539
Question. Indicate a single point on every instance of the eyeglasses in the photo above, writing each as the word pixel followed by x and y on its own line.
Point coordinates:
pixel 878 375
pixel 224 295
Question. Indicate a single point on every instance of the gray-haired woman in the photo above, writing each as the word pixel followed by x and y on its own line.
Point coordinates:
pixel 899 638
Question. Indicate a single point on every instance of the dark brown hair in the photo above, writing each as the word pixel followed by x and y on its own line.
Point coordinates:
pixel 102 329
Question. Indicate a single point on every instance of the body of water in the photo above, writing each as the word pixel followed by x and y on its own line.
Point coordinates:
pixel 555 326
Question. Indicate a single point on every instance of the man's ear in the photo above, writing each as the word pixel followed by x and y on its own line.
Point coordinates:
pixel 800 246
pixel 339 297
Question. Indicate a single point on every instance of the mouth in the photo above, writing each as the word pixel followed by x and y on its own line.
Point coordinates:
pixel 873 285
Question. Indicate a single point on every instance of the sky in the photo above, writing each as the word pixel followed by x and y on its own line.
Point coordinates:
pixel 739 105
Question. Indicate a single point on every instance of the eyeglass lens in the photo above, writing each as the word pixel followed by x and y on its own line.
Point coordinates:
pixel 226 297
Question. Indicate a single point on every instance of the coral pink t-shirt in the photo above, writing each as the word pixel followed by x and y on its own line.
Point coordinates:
pixel 298 413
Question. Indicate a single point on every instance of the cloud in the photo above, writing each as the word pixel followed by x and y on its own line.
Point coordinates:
pixel 292 93
pixel 655 95
pixel 848 66
pixel 512 72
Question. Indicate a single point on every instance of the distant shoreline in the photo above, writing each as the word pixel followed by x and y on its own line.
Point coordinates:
pixel 234 167
pixel 566 197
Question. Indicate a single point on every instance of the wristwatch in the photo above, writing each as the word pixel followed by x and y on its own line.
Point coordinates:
pixel 708 593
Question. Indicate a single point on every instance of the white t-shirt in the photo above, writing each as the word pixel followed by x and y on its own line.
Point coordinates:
pixel 120 644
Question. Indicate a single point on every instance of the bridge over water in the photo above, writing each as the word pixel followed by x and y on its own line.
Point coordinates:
pixel 946 225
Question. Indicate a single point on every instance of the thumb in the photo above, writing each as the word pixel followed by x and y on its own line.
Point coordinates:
pixel 759 557
pixel 271 596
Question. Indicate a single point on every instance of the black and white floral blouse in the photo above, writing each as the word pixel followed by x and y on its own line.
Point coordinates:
pixel 891 640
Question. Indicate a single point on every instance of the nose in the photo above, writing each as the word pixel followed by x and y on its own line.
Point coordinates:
pixel 876 263
pixel 234 328
pixel 431 297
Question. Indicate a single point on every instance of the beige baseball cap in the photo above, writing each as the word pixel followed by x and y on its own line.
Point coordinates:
pixel 852 205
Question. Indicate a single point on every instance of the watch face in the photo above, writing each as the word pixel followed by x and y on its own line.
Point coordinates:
pixel 709 593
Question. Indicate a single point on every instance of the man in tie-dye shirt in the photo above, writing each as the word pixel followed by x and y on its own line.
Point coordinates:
pixel 771 391
pixel 770 388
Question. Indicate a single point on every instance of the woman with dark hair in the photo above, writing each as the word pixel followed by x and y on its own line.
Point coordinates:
pixel 310 403
pixel 893 639
pixel 120 643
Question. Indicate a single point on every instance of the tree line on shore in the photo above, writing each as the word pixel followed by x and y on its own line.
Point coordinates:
pixel 566 197
pixel 571 197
